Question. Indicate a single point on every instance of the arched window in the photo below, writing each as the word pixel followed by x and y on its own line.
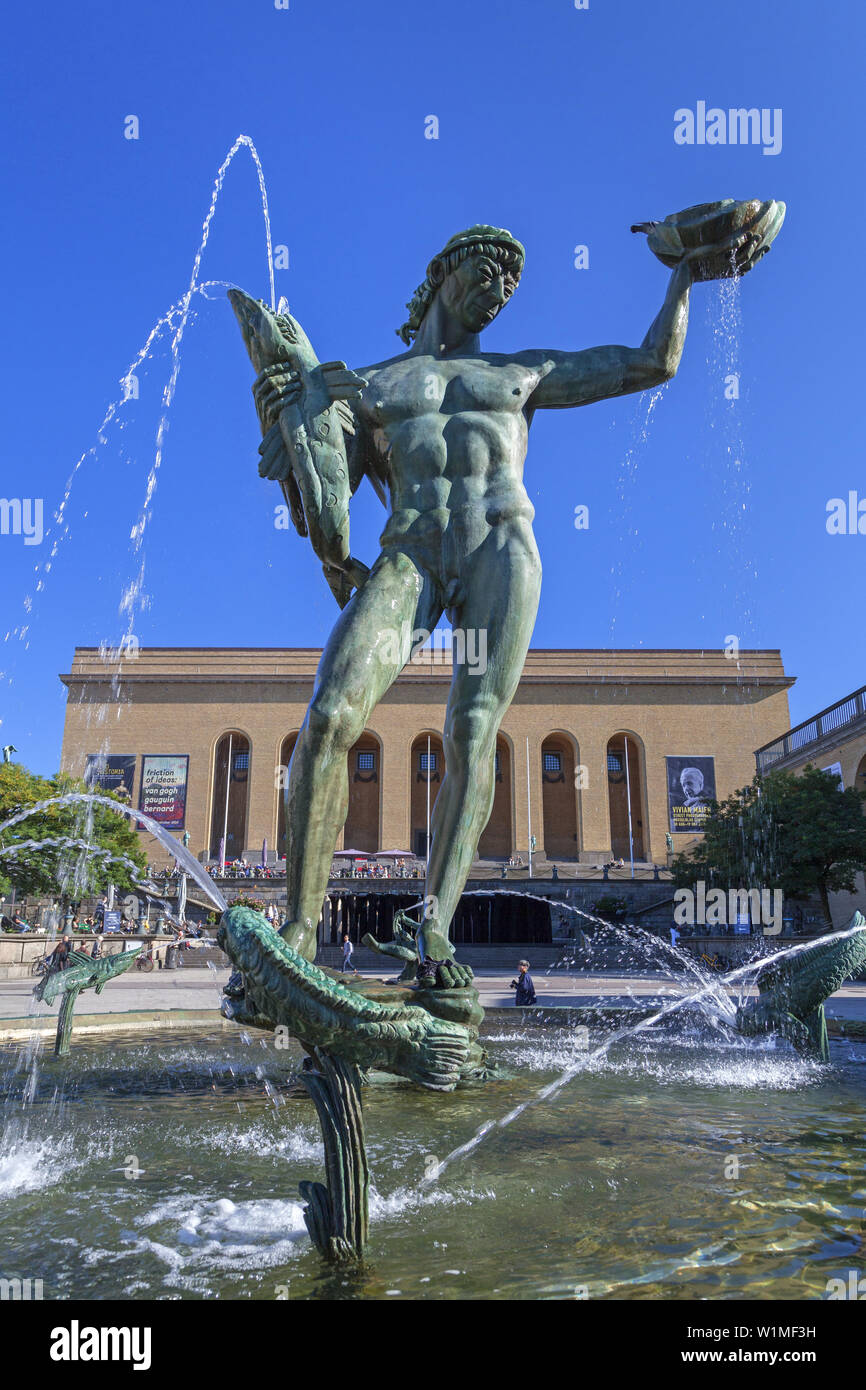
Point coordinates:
pixel 361 830
pixel 559 798
pixel 424 770
pixel 231 783
pixel 496 838
pixel 624 788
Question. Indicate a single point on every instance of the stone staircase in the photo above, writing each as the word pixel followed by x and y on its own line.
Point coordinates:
pixel 500 958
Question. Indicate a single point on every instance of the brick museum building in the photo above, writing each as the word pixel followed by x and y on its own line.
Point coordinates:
pixel 603 754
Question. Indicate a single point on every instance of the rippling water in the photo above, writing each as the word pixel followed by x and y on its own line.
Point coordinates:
pixel 168 1168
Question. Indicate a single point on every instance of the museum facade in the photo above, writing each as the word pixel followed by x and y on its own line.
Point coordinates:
pixel 602 754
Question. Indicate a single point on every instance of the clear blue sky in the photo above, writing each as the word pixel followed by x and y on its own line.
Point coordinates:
pixel 555 122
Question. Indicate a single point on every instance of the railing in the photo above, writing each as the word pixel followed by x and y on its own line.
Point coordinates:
pixel 812 730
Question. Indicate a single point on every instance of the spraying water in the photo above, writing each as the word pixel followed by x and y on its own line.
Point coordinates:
pixel 173 321
pixel 554 1087
pixel 625 490
pixel 179 851
pixel 725 425
pixel 132 594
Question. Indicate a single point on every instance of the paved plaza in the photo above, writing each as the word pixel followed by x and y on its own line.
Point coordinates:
pixel 189 990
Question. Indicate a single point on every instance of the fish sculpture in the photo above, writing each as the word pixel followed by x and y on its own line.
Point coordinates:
pixel 792 990
pixel 82 972
pixel 275 985
pixel 305 450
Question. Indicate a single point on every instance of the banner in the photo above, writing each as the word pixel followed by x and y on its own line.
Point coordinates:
pixel 691 785
pixel 163 788
pixel 110 772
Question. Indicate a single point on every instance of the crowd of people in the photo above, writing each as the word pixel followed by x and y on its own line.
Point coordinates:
pixel 373 868
pixel 242 868
pixel 341 868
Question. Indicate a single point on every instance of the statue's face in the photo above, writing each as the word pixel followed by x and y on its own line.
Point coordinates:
pixel 475 292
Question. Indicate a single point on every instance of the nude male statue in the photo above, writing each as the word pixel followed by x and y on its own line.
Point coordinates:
pixel 445 426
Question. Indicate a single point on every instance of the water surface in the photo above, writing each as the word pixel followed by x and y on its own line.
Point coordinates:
pixel 674 1167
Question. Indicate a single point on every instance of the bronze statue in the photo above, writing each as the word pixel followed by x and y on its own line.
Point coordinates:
pixel 443 426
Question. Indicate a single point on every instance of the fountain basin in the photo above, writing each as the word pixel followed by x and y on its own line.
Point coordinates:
pixel 616 1186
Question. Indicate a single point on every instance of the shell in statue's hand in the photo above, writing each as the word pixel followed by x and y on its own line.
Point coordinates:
pixel 734 235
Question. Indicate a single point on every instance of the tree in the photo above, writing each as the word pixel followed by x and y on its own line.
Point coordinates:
pixel 801 833
pixel 89 847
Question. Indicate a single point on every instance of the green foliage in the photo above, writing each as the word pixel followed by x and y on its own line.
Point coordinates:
pixel 798 832
pixel 68 873
pixel 257 904
pixel 610 906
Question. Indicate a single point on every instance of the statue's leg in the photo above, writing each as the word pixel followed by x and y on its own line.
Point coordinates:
pixel 364 655
pixel 501 600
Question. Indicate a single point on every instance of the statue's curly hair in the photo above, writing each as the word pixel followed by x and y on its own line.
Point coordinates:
pixel 481 240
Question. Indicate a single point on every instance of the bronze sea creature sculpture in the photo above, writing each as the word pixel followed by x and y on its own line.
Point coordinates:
pixel 82 972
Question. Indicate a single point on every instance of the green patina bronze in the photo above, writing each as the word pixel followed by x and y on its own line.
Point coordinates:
pixel 441 429
pixel 792 990
pixel 337 1214
pixel 426 1035
pixel 82 972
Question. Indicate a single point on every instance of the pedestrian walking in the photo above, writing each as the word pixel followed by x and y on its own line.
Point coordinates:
pixel 523 985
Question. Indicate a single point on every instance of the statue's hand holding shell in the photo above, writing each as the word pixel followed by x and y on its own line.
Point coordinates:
pixel 717 240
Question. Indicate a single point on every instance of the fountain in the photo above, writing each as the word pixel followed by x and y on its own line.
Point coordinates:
pixel 321 431
pixel 419 1050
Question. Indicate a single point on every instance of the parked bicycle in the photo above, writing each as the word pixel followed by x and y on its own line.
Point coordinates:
pixel 714 962
pixel 146 958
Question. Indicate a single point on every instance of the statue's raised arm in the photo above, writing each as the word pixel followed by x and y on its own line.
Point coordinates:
pixel 306 419
pixel 712 241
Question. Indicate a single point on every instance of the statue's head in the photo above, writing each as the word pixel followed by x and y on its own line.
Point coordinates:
pixel 475 274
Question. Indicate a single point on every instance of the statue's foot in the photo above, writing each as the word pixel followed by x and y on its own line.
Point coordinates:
pixel 437 968
pixel 443 974
pixel 427 954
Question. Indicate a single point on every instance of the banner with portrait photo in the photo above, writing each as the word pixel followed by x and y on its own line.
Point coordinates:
pixel 163 788
pixel 110 772
pixel 691 786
